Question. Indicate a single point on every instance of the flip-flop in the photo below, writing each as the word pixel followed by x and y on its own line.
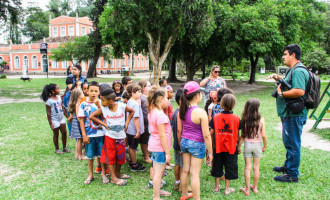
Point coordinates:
pixel 185 198
pixel 105 180
pixel 165 193
pixel 242 190
pixel 172 165
pixel 88 181
pixel 232 190
pixel 165 173
pixel 147 161
pixel 125 176
pixel 251 187
pixel 58 151
pixel 121 182
pixel 66 150
pixel 217 191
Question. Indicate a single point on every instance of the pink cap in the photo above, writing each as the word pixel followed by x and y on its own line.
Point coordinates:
pixel 191 86
pixel 168 88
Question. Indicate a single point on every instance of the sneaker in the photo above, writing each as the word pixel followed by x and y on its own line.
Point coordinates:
pixel 286 178
pixel 107 171
pixel 165 173
pixel 162 184
pixel 176 186
pixel 98 169
pixel 138 168
pixel 279 169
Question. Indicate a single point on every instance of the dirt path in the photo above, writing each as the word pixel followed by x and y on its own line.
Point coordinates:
pixel 312 140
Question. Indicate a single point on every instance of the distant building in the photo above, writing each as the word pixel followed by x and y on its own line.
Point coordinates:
pixel 62 29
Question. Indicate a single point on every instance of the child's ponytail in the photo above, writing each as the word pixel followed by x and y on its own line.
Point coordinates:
pixel 185 98
pixel 47 91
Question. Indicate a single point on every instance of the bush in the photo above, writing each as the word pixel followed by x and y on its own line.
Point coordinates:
pixel 3 76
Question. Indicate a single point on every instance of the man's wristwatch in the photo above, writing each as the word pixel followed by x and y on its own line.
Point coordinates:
pixel 281 94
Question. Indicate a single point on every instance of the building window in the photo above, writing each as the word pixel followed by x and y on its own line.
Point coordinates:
pixel 112 63
pixel 143 61
pixel 17 64
pixel 124 61
pixel 118 63
pixel 64 64
pixel 138 63
pixel 54 64
pixel 105 64
pixel 98 66
pixel 1 59
pixel 55 32
pixel 90 30
pixel 26 61
pixel 34 62
pixel 83 30
pixel 71 30
pixel 63 31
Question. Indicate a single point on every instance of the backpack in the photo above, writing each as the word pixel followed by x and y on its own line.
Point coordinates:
pixel 312 91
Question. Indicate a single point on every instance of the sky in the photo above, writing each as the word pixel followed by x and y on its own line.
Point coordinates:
pixel 41 3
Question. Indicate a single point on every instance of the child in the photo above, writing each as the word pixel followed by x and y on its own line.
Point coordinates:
pixel 126 80
pixel 92 133
pixel 210 103
pixel 217 108
pixel 162 82
pixel 74 105
pixel 253 135
pixel 225 126
pixel 176 146
pixel 135 126
pixel 84 88
pixel 66 99
pixel 194 137
pixel 160 137
pixel 55 114
pixel 113 152
pixel 169 108
pixel 125 98
pixel 144 139
pixel 118 87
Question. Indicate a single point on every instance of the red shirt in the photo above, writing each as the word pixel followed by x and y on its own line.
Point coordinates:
pixel 226 126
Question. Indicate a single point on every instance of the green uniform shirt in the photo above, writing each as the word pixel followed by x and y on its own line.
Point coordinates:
pixel 299 80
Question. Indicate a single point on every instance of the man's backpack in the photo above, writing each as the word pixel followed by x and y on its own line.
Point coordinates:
pixel 312 91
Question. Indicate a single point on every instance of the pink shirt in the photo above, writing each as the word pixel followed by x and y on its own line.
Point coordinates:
pixel 155 118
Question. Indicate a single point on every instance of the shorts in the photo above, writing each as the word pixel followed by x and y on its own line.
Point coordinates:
pixel 196 149
pixel 252 149
pixel 132 142
pixel 158 157
pixel 178 158
pixel 94 148
pixel 113 151
pixel 229 161
pixel 144 138
pixel 57 124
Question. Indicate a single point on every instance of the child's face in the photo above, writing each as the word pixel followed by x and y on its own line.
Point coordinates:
pixel 170 94
pixel 164 102
pixel 75 71
pixel 136 95
pixel 124 100
pixel 117 87
pixel 57 90
pixel 85 89
pixel 81 96
pixel 105 102
pixel 146 89
pixel 93 92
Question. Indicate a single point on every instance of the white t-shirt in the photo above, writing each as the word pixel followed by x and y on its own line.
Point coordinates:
pixel 211 106
pixel 56 109
pixel 115 121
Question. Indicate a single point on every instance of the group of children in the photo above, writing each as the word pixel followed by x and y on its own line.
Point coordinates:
pixel 111 121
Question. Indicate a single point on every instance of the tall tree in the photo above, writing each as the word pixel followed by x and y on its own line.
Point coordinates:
pixel 145 26
pixel 59 7
pixel 95 38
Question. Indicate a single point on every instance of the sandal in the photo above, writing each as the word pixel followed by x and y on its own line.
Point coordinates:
pixel 251 187
pixel 165 193
pixel 244 192
pixel 121 182
pixel 66 150
pixel 58 151
pixel 232 190
pixel 165 173
pixel 185 198
pixel 88 181
pixel 105 180
pixel 82 158
pixel 124 176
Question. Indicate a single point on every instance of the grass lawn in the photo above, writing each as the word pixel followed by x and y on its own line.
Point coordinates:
pixel 30 170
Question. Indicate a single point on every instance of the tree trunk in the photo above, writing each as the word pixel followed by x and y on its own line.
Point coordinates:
pixel 204 71
pixel 253 69
pixel 172 77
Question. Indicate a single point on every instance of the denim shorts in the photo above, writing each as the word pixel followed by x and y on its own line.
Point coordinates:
pixel 196 149
pixel 94 148
pixel 158 157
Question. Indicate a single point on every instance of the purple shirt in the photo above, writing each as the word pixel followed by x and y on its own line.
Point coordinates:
pixel 191 131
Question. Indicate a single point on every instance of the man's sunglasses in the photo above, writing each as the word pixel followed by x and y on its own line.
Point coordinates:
pixel 217 72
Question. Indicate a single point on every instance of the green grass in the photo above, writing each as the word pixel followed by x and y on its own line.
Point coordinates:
pixel 324 133
pixel 26 149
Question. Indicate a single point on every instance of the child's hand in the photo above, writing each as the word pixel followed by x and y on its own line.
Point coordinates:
pixel 263 149
pixel 86 139
pixel 126 126
pixel 239 150
pixel 70 119
pixel 97 103
pixel 210 157
pixel 168 159
pixel 137 136
pixel 106 126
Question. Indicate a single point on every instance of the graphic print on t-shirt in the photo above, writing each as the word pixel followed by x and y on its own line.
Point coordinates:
pixel 226 129
pixel 57 107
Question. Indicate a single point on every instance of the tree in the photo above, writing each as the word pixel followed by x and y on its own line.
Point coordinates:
pixel 145 26
pixel 9 8
pixel 317 59
pixel 59 7
pixel 36 25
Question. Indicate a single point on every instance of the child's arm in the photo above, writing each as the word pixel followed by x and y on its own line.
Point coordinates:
pixel 137 127
pixel 240 142
pixel 70 118
pixel 206 133
pixel 210 114
pixel 83 132
pixel 129 117
pixel 179 128
pixel 264 137
pixel 49 110
pixel 65 112
pixel 163 140
pixel 94 118
pixel 212 136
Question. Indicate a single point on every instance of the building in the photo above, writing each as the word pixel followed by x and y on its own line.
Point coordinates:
pixel 62 29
